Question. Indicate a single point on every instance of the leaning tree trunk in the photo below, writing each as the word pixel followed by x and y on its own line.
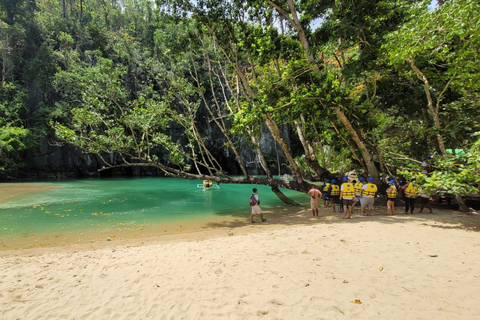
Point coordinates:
pixel 283 197
pixel 292 16
pixel 310 156
pixel 367 157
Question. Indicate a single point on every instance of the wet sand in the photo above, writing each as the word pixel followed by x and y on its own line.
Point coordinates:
pixel 10 191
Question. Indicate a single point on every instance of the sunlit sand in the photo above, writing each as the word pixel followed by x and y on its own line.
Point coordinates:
pixel 292 266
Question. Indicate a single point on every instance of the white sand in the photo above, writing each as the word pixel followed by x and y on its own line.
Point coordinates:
pixel 379 267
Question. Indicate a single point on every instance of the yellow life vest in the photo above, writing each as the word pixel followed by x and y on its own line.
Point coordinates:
pixel 348 190
pixel 370 190
pixel 327 186
pixel 411 190
pixel 335 190
pixel 358 187
pixel 392 192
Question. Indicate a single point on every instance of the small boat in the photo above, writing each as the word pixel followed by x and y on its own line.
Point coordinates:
pixel 201 186
pixel 207 184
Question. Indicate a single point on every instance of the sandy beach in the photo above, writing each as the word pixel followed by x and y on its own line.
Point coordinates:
pixel 295 267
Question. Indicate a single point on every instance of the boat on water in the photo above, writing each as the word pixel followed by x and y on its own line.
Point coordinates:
pixel 215 186
pixel 208 184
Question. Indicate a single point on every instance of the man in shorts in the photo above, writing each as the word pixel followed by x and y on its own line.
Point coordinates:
pixel 256 210
pixel 369 190
pixel 315 196
pixel 347 193
pixel 334 194
pixel 326 193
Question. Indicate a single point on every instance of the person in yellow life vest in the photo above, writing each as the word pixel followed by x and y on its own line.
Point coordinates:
pixel 391 196
pixel 369 190
pixel 205 183
pixel 347 193
pixel 334 194
pixel 325 188
pixel 358 190
pixel 411 192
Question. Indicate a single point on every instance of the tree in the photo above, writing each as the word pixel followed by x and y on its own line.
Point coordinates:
pixel 440 48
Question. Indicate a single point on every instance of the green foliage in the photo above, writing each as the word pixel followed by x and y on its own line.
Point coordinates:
pixel 454 174
pixel 13 140
pixel 443 43
pixel 150 81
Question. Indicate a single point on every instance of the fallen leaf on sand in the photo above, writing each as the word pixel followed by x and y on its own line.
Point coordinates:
pixel 380 269
pixel 345 281
pixel 356 301
pixel 433 255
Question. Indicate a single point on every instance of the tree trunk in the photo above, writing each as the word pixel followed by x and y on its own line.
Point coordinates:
pixel 367 157
pixel 292 17
pixel 433 112
pixel 436 120
pixel 273 127
pixel 310 156
pixel 282 196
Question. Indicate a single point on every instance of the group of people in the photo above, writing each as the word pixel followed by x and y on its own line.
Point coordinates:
pixel 347 195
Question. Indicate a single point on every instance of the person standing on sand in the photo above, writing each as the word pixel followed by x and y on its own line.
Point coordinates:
pixel 315 196
pixel 369 190
pixel 334 194
pixel 256 210
pixel 326 193
pixel 411 192
pixel 391 196
pixel 424 201
pixel 347 193
pixel 358 190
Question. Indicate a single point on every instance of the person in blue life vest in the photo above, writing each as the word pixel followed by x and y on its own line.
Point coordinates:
pixel 369 190
pixel 347 193
pixel 334 194
pixel 358 190
pixel 391 197
pixel 325 188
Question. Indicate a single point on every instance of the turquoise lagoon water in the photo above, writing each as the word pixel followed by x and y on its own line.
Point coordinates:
pixel 103 204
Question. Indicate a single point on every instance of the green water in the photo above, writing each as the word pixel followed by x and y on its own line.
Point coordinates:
pixel 107 203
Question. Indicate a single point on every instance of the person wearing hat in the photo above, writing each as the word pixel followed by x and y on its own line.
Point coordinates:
pixel 369 190
pixel 326 193
pixel 391 196
pixel 347 193
pixel 334 194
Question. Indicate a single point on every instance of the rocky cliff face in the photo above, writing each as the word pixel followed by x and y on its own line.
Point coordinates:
pixel 53 161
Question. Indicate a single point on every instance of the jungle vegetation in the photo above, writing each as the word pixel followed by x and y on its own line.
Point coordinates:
pixel 370 86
